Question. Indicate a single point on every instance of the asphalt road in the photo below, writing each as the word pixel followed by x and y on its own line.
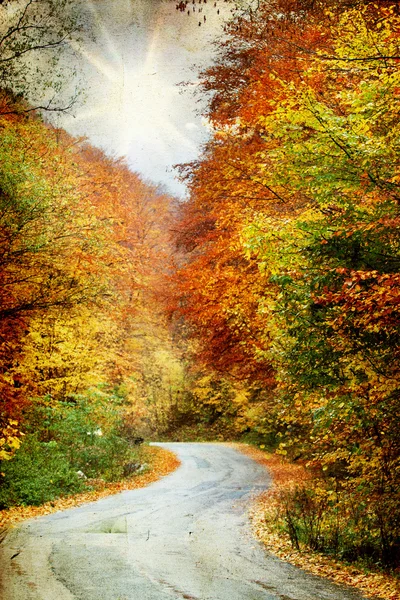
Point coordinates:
pixel 184 537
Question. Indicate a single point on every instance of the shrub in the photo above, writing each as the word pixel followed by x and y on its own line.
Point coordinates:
pixel 62 438
pixel 87 431
pixel 339 521
pixel 39 472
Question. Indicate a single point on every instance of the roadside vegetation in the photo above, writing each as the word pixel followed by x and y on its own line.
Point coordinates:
pixel 84 341
pixel 275 524
pixel 69 447
pixel 85 248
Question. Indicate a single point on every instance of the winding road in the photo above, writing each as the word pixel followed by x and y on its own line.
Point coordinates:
pixel 185 537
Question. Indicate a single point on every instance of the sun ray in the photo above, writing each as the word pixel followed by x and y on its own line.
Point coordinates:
pixel 100 63
pixel 104 31
pixel 89 113
pixel 154 43
pixel 130 71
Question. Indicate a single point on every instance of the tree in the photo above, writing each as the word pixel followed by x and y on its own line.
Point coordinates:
pixel 300 181
pixel 34 35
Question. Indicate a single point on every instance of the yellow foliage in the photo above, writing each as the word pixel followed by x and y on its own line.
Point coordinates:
pixel 10 439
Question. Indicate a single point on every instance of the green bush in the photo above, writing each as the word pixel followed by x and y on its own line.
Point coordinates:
pixel 95 449
pixel 61 439
pixel 87 431
pixel 39 472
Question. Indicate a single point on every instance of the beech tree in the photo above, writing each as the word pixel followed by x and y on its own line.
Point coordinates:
pixel 300 181
pixel 85 251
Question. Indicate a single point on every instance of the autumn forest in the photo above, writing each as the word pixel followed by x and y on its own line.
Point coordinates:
pixel 264 308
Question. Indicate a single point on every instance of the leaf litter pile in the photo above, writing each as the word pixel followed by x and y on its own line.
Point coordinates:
pixel 160 462
pixel 263 515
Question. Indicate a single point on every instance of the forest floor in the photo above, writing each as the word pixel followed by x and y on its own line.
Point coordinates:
pixel 160 462
pixel 263 516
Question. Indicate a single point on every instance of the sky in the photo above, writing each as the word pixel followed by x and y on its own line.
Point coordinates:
pixel 129 75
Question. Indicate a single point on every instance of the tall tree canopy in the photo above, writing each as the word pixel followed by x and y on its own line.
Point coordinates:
pixel 291 234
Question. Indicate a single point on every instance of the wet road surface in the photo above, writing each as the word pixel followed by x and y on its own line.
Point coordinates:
pixel 185 537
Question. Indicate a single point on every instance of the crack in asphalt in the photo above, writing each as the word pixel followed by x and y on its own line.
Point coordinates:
pixel 177 592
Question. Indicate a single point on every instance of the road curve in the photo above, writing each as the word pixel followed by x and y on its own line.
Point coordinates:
pixel 185 537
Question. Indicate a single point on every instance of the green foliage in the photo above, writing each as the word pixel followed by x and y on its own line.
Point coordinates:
pixel 87 431
pixel 38 472
pixel 61 439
